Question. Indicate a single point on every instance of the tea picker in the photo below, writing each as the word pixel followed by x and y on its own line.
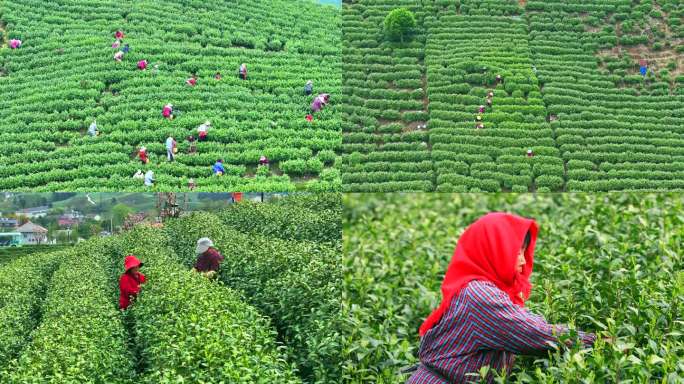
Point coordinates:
pixel 167 111
pixel 92 130
pixel 218 168
pixel 203 130
pixel 482 320
pixel 263 160
pixel 118 56
pixel 308 88
pixel 242 71
pixel 209 259
pixel 142 154
pixel 149 178
pixel 193 147
pixel 130 280
pixel 319 102
pixel 192 81
pixel 142 65
pixel 126 48
pixel 15 44
pixel 139 175
pixel 170 148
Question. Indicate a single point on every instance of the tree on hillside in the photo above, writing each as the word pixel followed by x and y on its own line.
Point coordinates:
pixel 399 23
pixel 95 229
pixel 119 213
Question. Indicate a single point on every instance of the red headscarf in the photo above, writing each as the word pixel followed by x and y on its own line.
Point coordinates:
pixel 488 250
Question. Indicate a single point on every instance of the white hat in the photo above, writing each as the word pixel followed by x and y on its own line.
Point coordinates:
pixel 203 244
pixel 143 148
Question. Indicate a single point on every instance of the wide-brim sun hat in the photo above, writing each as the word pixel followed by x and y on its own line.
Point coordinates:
pixel 203 245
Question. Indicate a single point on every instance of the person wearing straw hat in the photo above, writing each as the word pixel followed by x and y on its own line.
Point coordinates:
pixel 209 259
pixel 130 280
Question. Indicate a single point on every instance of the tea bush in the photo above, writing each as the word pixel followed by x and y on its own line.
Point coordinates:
pixel 295 283
pixel 607 263
pixel 64 76
pixel 23 283
pixel 284 221
pixel 561 76
pixel 272 317
pixel 189 329
pixel 81 337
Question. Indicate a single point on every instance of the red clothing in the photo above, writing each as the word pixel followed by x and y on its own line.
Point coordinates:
pixel 209 261
pixel 203 134
pixel 191 81
pixel 166 112
pixel 143 156
pixel 129 287
pixel 119 35
pixel 488 250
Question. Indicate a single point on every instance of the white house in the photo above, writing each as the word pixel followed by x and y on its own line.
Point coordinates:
pixel 32 234
pixel 33 212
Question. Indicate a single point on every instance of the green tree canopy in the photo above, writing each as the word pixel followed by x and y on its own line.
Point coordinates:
pixel 399 23
pixel 120 212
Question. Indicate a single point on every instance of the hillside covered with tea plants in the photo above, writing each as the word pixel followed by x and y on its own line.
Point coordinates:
pixel 272 316
pixel 64 76
pixel 606 263
pixel 571 91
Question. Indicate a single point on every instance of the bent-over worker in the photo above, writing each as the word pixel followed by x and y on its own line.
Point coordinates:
pixel 130 280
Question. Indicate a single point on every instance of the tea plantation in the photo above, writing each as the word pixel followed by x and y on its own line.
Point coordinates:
pixel 607 263
pixel 273 316
pixel 64 76
pixel 570 91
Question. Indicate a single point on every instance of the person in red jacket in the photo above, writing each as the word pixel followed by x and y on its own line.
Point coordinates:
pixel 129 282
pixel 142 154
pixel 209 259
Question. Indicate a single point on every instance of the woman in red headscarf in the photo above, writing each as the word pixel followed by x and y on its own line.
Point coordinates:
pixel 130 280
pixel 482 320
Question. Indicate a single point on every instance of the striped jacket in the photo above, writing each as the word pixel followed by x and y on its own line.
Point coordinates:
pixel 482 327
